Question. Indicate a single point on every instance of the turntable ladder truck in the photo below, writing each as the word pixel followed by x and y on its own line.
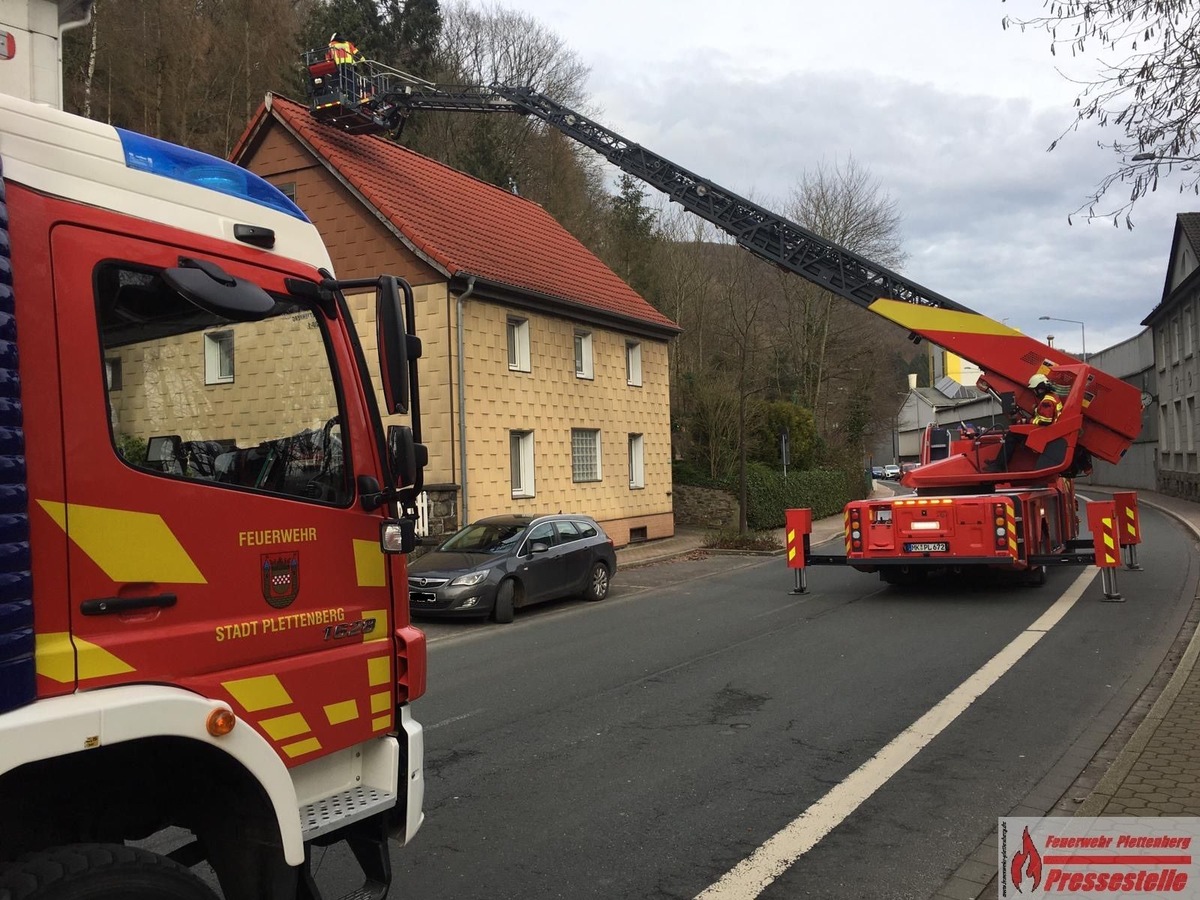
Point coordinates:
pixel 961 515
pixel 205 648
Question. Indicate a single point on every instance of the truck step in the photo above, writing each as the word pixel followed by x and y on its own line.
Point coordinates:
pixel 373 892
pixel 340 810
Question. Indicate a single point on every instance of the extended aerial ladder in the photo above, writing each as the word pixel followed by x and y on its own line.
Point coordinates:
pixel 1101 414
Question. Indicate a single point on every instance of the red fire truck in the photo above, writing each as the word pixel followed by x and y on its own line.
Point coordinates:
pixel 205 648
pixel 1021 518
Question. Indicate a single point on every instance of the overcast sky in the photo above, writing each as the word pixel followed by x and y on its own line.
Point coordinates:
pixel 950 114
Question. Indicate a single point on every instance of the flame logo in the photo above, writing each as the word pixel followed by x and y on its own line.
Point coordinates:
pixel 1028 859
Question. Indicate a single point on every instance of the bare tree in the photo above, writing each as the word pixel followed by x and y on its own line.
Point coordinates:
pixel 1148 89
pixel 843 204
pixel 482 45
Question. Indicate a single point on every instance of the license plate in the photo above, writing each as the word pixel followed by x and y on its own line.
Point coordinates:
pixel 417 597
pixel 928 547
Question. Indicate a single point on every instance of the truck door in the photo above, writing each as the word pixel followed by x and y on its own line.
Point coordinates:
pixel 215 541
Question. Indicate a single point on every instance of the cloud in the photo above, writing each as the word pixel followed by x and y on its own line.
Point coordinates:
pixel 984 205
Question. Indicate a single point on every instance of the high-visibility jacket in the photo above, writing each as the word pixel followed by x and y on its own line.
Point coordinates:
pixel 1047 410
pixel 343 53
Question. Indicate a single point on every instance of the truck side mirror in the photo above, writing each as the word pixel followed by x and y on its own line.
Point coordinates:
pixel 395 346
pixel 407 458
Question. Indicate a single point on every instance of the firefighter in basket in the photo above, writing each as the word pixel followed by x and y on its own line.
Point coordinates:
pixel 1045 413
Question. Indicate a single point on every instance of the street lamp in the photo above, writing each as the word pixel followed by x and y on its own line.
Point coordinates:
pixel 1082 333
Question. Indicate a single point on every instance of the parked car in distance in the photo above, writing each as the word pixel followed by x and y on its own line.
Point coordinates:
pixel 876 471
pixel 908 467
pixel 891 470
pixel 497 564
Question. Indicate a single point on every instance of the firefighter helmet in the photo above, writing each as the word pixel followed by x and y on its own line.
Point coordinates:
pixel 336 38
pixel 1040 381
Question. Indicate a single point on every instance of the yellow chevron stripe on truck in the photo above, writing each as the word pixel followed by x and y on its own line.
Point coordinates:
pixel 917 317
pixel 126 545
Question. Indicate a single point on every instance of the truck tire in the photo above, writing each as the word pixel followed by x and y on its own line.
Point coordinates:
pixel 100 872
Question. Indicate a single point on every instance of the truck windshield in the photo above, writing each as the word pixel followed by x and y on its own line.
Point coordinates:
pixel 248 405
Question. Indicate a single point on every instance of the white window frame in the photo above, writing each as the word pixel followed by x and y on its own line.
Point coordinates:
pixel 581 438
pixel 584 366
pixel 1177 340
pixel 520 451
pixel 1160 347
pixel 633 363
pixel 1189 424
pixel 213 370
pixel 637 462
pixel 517 332
pixel 1188 328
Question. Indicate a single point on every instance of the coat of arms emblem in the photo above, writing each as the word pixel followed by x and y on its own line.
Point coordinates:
pixel 280 578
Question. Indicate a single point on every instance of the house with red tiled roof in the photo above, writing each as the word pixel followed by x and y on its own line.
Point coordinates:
pixel 544 377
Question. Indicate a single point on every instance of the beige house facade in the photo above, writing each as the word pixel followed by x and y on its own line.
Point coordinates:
pixel 544 380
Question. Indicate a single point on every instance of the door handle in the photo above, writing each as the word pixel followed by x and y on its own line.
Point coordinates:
pixel 103 606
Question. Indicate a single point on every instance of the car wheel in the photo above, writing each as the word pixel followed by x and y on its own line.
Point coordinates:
pixel 597 583
pixel 502 610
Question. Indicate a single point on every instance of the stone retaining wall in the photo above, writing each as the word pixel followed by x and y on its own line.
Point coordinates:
pixel 704 507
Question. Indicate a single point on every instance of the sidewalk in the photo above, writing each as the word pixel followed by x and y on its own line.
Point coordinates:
pixel 1156 772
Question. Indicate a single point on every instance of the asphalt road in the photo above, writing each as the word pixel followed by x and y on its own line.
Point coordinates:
pixel 643 746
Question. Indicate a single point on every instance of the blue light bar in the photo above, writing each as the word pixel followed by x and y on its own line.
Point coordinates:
pixel 157 157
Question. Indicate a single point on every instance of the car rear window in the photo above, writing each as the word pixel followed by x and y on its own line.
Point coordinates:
pixel 586 529
pixel 566 531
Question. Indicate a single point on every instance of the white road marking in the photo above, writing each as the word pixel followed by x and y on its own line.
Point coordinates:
pixel 453 719
pixel 753 875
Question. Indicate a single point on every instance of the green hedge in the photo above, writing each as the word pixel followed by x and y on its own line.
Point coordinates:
pixel 768 494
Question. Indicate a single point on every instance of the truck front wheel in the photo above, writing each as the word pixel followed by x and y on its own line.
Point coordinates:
pixel 100 872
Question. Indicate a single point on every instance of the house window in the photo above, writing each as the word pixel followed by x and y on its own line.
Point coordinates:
pixel 218 357
pixel 520 454
pixel 518 345
pixel 1189 424
pixel 585 454
pixel 1162 430
pixel 1177 344
pixel 1176 425
pixel 1160 348
pixel 1188 327
pixel 637 465
pixel 288 188
pixel 633 363
pixel 583 354
pixel 112 373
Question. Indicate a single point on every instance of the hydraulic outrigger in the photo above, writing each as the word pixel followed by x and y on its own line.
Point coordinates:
pixel 1101 414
